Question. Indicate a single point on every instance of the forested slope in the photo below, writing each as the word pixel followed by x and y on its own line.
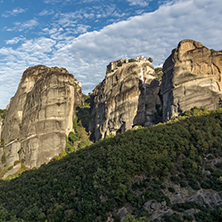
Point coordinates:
pixel 128 170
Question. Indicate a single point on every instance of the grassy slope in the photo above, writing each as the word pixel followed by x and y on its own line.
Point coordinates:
pixel 86 185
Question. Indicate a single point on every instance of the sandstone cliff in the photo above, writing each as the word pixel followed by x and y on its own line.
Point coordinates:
pixel 1 122
pixel 40 115
pixel 127 97
pixel 1 145
pixel 192 77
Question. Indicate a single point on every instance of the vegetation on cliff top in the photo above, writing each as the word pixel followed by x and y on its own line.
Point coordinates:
pixel 2 113
pixel 127 170
pixel 158 73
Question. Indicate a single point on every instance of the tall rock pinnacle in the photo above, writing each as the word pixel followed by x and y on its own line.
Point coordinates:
pixel 40 115
pixel 127 97
pixel 192 77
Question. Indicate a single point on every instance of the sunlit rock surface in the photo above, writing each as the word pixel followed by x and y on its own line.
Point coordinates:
pixel 127 97
pixel 40 115
pixel 192 77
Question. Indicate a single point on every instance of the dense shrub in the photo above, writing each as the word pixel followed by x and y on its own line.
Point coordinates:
pixel 73 137
pixel 119 63
pixel 150 59
pixel 3 158
pixel 87 184
pixel 2 113
pixel 171 189
pixel 132 60
pixel 173 218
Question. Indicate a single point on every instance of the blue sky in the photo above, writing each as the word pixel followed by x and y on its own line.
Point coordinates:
pixel 84 36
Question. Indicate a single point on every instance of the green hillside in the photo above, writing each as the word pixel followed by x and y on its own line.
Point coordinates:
pixel 93 183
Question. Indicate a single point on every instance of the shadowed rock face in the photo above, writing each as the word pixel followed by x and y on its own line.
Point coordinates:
pixel 126 97
pixel 1 122
pixel 1 148
pixel 192 77
pixel 39 115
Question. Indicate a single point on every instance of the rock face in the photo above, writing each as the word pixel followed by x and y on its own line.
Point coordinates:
pixel 40 115
pixel 203 197
pixel 127 97
pixel 0 125
pixel 1 148
pixel 192 77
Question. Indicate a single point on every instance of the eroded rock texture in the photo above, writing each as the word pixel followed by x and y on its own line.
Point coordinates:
pixel 1 148
pixel 127 97
pixel 1 123
pixel 39 115
pixel 192 77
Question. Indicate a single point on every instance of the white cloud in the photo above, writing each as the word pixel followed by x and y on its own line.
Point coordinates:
pixel 15 40
pixel 58 1
pixel 69 19
pixel 151 34
pixel 82 28
pixel 52 1
pixel 119 14
pixel 83 15
pixel 14 12
pixel 142 3
pixel 38 46
pixel 20 26
pixel 46 12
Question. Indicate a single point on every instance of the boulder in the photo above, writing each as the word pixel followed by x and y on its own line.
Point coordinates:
pixel 122 212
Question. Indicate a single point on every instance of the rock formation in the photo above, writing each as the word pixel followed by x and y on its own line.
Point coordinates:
pixel 41 112
pixel 192 77
pixel 40 115
pixel 127 97
pixel 1 147
pixel 1 123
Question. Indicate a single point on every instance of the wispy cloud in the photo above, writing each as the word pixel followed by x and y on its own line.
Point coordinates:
pixel 68 19
pixel 21 26
pixel 46 12
pixel 58 1
pixel 14 12
pixel 82 15
pixel 15 40
pixel 82 28
pixel 142 3
pixel 38 46
pixel 52 1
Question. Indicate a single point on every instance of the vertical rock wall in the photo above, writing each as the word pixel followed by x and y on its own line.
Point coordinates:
pixel 1 148
pixel 192 77
pixel 126 97
pixel 40 115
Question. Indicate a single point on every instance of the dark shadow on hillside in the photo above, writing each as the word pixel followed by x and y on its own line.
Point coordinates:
pixel 83 113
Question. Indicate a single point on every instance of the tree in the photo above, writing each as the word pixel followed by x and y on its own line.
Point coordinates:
pixel 150 59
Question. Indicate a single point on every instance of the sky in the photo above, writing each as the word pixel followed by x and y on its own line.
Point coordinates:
pixel 85 36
